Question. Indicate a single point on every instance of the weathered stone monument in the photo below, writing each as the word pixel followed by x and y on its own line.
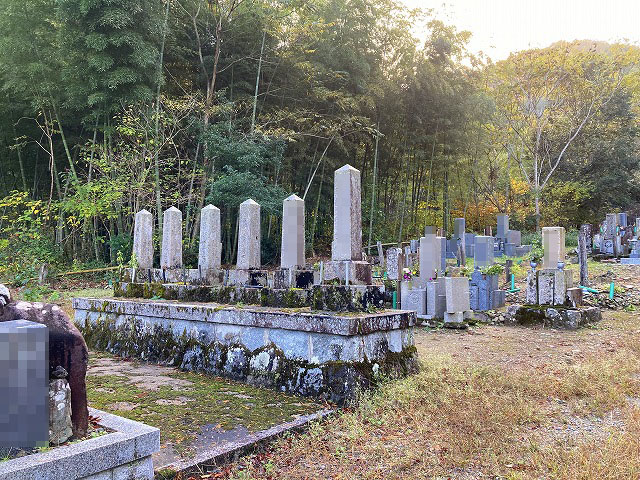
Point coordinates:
pixel 67 349
pixel 143 239
pixel 171 252
pixel 210 248
pixel 293 243
pixel 346 250
pixel 394 263
pixel 249 236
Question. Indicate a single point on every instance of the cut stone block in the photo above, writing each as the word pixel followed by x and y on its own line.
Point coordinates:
pixel 510 249
pixel 395 263
pixel 532 288
pixel 143 239
pixel 553 242
pixel 503 226
pixel 436 299
pixel 483 251
pixel 293 242
pixel 546 281
pixel 429 257
pixel 415 300
pixel 515 237
pixel 454 318
pixel 249 236
pixel 210 249
pixel 347 215
pixel 171 253
pixel 443 253
pixel 457 293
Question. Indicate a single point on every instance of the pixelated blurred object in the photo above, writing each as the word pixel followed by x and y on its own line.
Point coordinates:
pixel 67 349
pixel 24 385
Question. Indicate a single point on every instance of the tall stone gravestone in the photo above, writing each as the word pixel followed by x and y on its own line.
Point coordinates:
pixel 143 239
pixel 622 219
pixel 553 242
pixel 171 253
pixel 293 242
pixel 347 215
pixel 346 250
pixel 469 244
pixel 210 249
pixel 503 226
pixel 430 230
pixel 24 385
pixel 458 231
pixel 249 236
pixel 443 253
pixel 429 258
pixel 483 251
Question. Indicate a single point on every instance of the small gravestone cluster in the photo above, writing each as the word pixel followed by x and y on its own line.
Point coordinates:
pixel 551 297
pixel 614 238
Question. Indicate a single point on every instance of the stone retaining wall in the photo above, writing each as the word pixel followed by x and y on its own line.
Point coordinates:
pixel 313 354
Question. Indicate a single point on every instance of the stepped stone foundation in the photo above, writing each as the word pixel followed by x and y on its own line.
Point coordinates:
pixel 324 355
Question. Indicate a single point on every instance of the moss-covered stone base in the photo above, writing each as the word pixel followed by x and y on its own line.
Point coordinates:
pixel 332 298
pixel 552 316
pixel 268 366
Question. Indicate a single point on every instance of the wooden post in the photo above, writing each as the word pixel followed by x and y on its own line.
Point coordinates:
pixel 582 256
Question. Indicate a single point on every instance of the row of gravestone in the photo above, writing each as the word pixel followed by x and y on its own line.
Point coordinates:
pixel 346 256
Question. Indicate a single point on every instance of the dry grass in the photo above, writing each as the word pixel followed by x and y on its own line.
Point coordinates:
pixel 562 405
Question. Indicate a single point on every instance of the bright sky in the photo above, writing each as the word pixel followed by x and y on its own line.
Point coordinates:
pixel 503 26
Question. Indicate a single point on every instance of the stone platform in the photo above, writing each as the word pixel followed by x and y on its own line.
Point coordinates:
pixel 322 355
pixel 552 316
pixel 334 298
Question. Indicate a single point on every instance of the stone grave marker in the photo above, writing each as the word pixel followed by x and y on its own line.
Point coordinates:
pixel 483 251
pixel 429 258
pixel 503 226
pixel 143 239
pixel 347 215
pixel 210 248
pixel 171 253
pixel 293 242
pixel 249 236
pixel 553 242
pixel 457 298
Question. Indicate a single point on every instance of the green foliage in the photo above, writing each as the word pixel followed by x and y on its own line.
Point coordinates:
pixel 111 51
pixel 26 229
pixel 495 269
